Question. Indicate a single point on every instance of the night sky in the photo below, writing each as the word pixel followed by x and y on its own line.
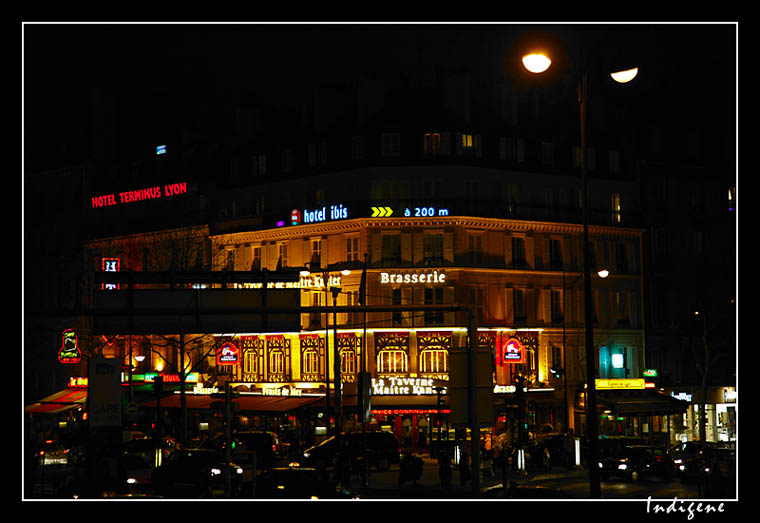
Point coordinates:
pixel 690 69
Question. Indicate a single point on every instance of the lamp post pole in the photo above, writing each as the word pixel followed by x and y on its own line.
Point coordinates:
pixel 592 422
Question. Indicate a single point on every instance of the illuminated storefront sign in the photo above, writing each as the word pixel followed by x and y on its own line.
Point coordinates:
pixel 412 278
pixel 334 212
pixel 513 351
pixel 110 265
pixel 426 211
pixel 403 387
pixel 150 193
pixel 621 383
pixel 69 351
pixel 228 354
pixel 312 281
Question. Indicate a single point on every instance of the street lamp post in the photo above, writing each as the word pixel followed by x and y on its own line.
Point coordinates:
pixel 538 63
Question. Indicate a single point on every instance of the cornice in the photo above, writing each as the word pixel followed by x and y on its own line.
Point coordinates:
pixel 438 222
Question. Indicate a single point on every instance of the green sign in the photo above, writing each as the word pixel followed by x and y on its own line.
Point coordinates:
pixel 650 373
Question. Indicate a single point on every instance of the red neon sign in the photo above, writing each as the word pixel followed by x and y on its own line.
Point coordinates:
pixel 227 354
pixel 512 351
pixel 150 193
pixel 69 351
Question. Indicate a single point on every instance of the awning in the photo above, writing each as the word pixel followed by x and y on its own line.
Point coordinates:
pixel 245 402
pixel 59 402
pixel 640 403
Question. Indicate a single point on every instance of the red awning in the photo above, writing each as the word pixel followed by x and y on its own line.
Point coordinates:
pixel 59 402
pixel 245 402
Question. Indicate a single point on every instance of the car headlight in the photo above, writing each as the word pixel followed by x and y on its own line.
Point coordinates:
pixel 600 465
pixel 215 471
pixel 305 454
pixel 622 466
pixel 238 470
pixel 677 461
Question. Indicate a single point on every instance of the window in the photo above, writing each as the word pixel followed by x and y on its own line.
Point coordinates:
pixel 434 360
pixel 282 255
pixel 518 251
pixel 621 257
pixel 556 306
pixel 555 253
pixel 276 362
pixel 287 161
pixel 310 362
pixel 466 143
pixel 518 304
pixel 391 248
pixel 392 361
pixel 476 249
pixel 316 252
pixel 348 346
pixel 357 147
pixel 433 248
pixel 352 248
pixel 230 261
pixel 256 263
pixel 433 297
pixel 312 349
pixel 390 144
pixel 613 157
pixel 432 143
pixel 396 316
pixel 311 155
pixel 258 165
pixel 616 208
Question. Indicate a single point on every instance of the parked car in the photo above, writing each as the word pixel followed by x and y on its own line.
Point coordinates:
pixel 196 473
pixel 637 461
pixel 153 451
pixel 136 471
pixel 52 452
pixel 382 450
pixel 299 483
pixel 710 458
pixel 254 448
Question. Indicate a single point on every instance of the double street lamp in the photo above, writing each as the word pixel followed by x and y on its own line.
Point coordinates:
pixel 538 63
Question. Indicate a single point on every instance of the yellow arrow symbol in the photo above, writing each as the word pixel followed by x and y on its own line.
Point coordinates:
pixel 381 212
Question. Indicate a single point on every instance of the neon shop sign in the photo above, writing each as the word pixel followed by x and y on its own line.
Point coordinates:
pixel 69 351
pixel 150 193
pixel 403 387
pixel 334 212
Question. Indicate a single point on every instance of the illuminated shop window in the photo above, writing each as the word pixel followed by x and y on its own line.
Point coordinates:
pixel 253 358
pixel 392 361
pixel 278 359
pixel 392 352
pixel 347 348
pixel 434 351
pixel 312 352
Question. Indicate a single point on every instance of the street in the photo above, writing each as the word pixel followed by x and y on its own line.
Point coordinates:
pixel 58 480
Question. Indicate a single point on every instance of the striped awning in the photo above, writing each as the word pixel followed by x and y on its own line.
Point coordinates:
pixel 59 402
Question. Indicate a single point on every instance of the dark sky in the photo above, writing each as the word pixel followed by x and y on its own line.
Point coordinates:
pixel 208 62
